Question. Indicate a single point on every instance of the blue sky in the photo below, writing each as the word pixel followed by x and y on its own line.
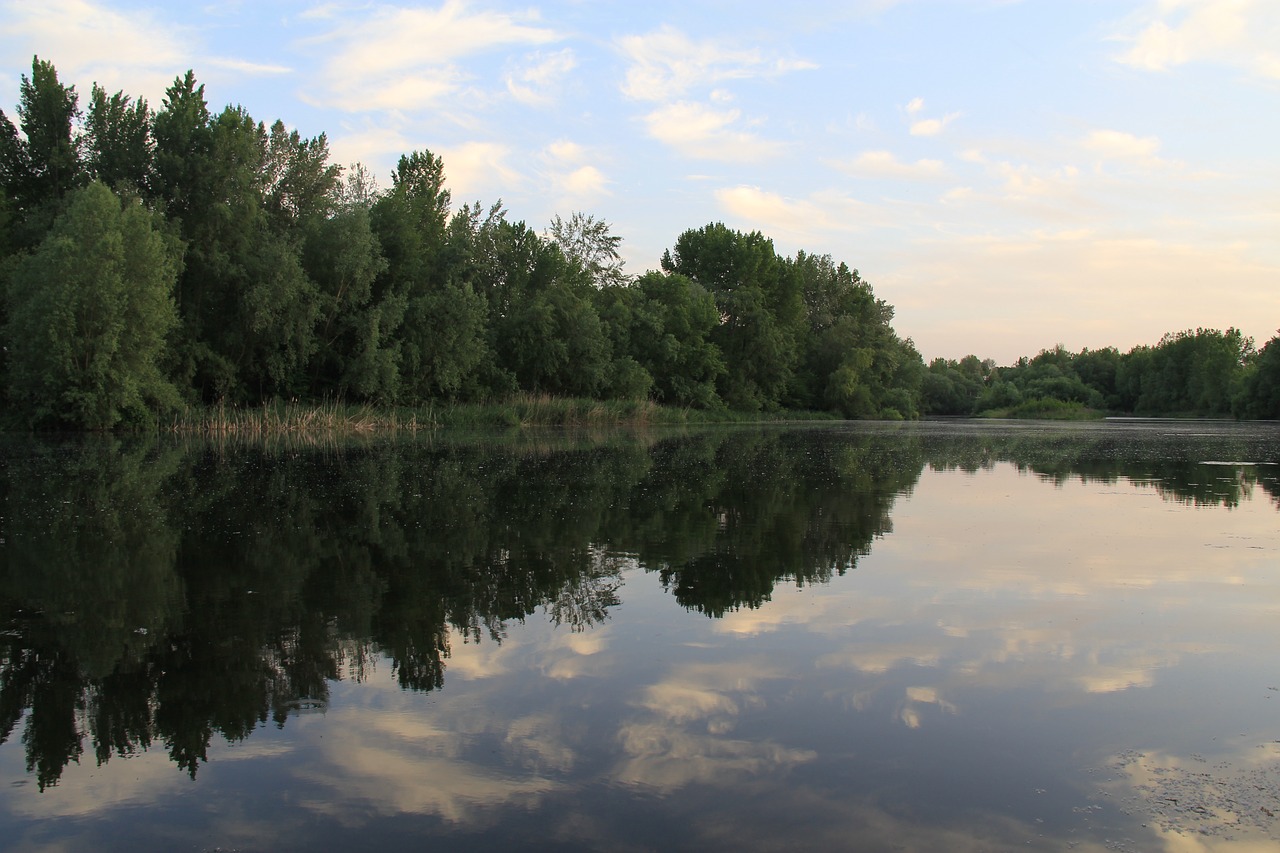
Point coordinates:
pixel 1009 175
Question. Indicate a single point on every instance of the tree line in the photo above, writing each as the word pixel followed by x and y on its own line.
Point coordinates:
pixel 154 259
pixel 1206 372
pixel 159 258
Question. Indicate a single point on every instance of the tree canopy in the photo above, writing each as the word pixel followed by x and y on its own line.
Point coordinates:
pixel 157 258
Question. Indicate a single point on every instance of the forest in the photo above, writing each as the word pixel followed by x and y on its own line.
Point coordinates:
pixel 154 260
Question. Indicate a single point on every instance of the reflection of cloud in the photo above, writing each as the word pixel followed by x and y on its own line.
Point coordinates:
pixel 394 763
pixel 909 712
pixel 1200 804
pixel 150 776
pixel 476 660
pixel 877 658
pixel 661 757
pixel 536 743
pixel 700 691
pixel 585 654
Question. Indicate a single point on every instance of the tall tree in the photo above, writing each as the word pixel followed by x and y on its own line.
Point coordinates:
pixel 118 147
pixel 89 312
pixel 760 307
pixel 588 242
pixel 40 166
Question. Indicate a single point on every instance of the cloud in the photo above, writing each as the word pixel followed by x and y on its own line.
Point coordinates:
pixel 883 164
pixel 399 58
pixel 666 64
pixel 480 169
pixel 136 52
pixel 798 222
pixel 573 180
pixel 250 68
pixel 927 126
pixel 1119 145
pixel 535 84
pixel 932 126
pixel 1242 33
pixel 709 134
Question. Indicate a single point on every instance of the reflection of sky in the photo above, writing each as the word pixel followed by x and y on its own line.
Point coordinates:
pixel 1006 637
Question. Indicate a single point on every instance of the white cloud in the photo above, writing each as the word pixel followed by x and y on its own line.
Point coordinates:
pixel 932 126
pixel 804 222
pixel 1117 144
pixel 666 64
pixel 698 131
pixel 480 170
pixel 400 58
pixel 250 68
pixel 573 180
pixel 1243 33
pixel 136 52
pixel 536 82
pixel 926 126
pixel 883 164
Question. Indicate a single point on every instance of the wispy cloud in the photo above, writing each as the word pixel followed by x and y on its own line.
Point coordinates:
pixel 884 164
pixel 1242 33
pixel 667 64
pixel 706 133
pixel 572 178
pixel 403 58
pixel 536 81
pixel 688 78
pixel 137 51
pixel 804 221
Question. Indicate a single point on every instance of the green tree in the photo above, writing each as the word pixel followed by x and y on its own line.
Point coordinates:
pixel 1259 394
pixel 587 241
pixel 118 147
pixel 42 165
pixel 88 315
pixel 760 306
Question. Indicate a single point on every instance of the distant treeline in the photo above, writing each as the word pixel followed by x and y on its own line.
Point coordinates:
pixel 1204 373
pixel 157 259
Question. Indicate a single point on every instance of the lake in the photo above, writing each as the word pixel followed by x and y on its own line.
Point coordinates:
pixel 927 636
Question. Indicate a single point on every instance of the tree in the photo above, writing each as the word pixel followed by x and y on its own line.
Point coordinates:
pixel 89 312
pixel 586 241
pixel 42 165
pixel 760 307
pixel 118 147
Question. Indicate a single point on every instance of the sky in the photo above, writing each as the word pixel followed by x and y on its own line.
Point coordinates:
pixel 1008 175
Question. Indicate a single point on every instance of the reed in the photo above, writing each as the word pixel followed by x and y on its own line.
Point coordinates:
pixel 518 411
pixel 291 417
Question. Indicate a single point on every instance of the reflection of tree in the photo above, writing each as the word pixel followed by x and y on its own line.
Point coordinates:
pixel 156 594
pixel 798 506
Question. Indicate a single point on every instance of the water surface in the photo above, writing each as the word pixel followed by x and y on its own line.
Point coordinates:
pixel 962 636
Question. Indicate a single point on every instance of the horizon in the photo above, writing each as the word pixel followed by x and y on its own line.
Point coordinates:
pixel 1008 176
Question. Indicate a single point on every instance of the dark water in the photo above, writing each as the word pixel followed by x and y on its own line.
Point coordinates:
pixel 862 637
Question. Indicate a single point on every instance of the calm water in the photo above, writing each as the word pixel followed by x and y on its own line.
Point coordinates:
pixel 864 637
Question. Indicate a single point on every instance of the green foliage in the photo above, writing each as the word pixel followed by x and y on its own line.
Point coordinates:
pixel 1259 394
pixel 587 242
pixel 88 315
pixel 118 146
pixel 297 283
pixel 760 307
pixel 42 165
